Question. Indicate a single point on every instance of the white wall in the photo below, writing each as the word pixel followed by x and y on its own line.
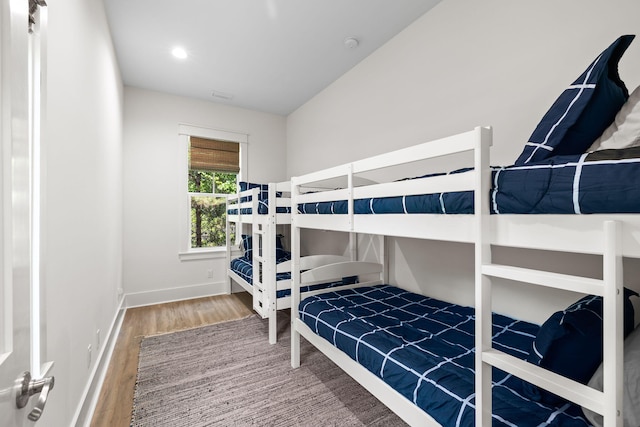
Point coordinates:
pixel 82 227
pixel 463 64
pixel 152 187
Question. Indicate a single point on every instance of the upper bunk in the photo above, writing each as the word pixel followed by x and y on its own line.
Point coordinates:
pixel 580 167
pixel 253 203
pixel 346 198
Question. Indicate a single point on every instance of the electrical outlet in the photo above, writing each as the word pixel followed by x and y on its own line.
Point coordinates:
pixel 210 274
pixel 98 339
pixel 89 356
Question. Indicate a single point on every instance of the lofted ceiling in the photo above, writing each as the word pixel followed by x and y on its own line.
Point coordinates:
pixel 265 55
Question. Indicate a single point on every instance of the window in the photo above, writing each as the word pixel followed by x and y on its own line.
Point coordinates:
pixel 212 166
pixel 213 169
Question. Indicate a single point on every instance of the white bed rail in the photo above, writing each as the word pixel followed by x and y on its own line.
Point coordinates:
pixel 311 261
pixel 235 203
pixel 275 202
pixel 321 186
pixel 251 196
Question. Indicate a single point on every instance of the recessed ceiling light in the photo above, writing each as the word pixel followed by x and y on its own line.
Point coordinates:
pixel 179 53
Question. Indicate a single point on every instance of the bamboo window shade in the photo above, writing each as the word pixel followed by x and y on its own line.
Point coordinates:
pixel 214 155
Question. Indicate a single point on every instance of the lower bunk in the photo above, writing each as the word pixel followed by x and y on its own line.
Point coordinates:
pixel 416 354
pixel 276 294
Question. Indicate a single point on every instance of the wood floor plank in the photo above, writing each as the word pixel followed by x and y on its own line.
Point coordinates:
pixel 116 397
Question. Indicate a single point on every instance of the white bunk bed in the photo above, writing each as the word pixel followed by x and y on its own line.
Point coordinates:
pixel 270 287
pixel 248 210
pixel 612 236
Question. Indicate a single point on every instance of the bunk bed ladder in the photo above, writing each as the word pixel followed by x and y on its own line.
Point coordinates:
pixel 258 256
pixel 608 402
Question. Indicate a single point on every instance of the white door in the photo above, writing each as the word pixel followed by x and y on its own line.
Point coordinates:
pixel 16 219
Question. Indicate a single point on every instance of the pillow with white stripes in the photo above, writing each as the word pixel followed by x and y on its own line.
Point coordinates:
pixel 569 343
pixel 624 132
pixel 583 111
pixel 263 193
pixel 247 247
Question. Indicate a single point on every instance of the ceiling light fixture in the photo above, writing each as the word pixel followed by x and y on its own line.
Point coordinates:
pixel 179 53
pixel 351 42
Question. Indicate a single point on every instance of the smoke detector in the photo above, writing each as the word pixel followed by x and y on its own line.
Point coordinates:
pixel 351 42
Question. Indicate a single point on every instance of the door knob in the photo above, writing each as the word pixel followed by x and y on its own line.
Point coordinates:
pixel 28 387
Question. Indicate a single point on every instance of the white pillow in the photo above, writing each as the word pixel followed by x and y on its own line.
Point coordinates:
pixel 624 132
pixel 631 388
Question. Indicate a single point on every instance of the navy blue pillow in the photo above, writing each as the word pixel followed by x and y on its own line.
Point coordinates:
pixel 569 343
pixel 583 111
pixel 247 245
pixel 264 190
pixel 281 253
pixel 262 195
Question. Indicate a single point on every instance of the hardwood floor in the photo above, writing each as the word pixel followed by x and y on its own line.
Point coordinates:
pixel 116 397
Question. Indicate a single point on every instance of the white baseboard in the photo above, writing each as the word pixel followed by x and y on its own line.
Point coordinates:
pixel 160 296
pixel 89 400
pixel 91 393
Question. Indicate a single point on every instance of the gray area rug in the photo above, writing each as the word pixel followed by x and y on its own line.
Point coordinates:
pixel 229 375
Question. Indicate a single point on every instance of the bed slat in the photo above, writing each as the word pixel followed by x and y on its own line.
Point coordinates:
pixel 562 386
pixel 543 278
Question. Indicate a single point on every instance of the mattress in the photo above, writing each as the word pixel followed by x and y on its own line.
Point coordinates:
pixel 263 209
pixel 244 268
pixel 424 349
pixel 606 181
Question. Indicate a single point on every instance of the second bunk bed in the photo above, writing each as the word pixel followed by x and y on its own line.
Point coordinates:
pixel 258 213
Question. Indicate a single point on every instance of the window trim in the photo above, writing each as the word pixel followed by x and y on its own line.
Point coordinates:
pixel 185 252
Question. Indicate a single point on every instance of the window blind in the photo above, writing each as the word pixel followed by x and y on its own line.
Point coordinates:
pixel 214 155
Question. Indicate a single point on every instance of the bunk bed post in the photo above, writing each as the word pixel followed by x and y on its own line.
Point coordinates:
pixel 350 206
pixel 384 259
pixel 295 275
pixel 256 247
pixel 483 307
pixel 613 338
pixel 228 242
pixel 269 272
pixel 353 246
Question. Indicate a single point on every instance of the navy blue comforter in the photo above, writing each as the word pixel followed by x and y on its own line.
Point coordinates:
pixel 424 348
pixel 606 181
